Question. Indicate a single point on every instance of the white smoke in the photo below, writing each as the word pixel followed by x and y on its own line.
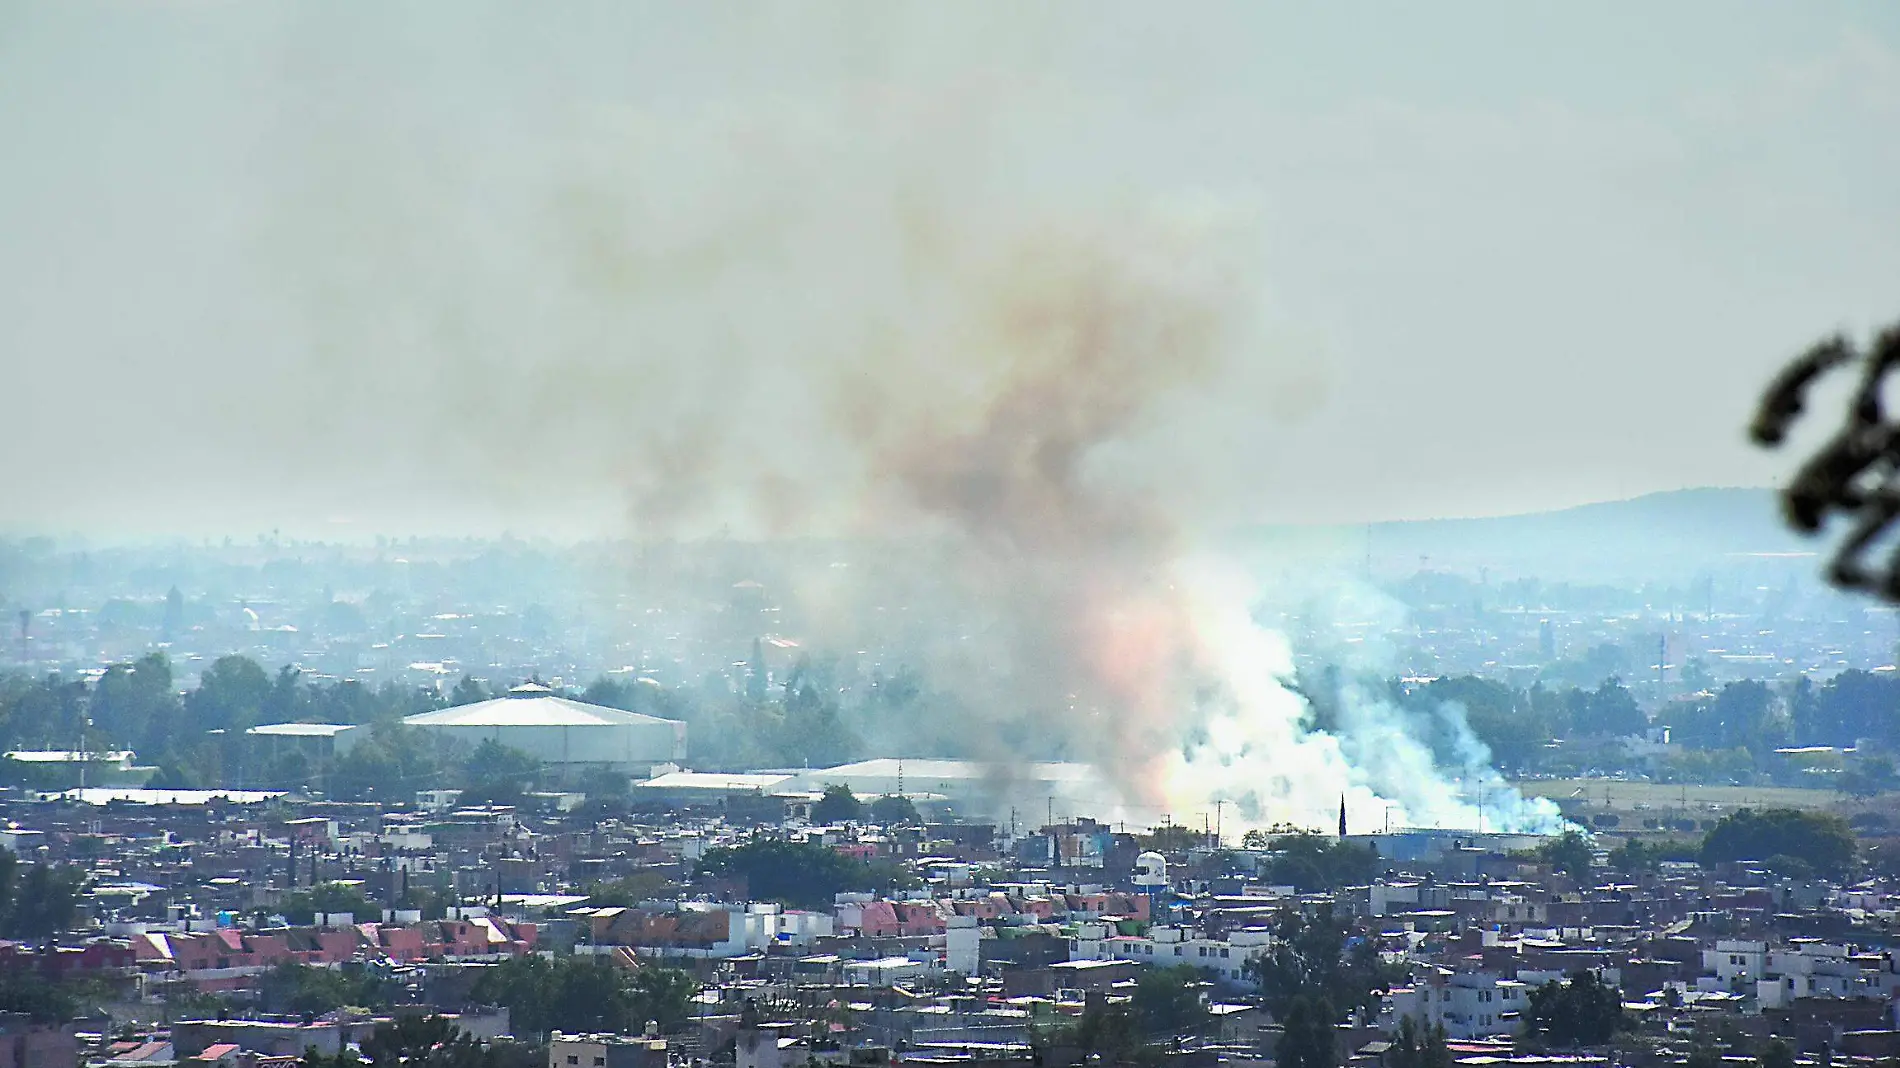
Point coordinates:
pixel 1256 750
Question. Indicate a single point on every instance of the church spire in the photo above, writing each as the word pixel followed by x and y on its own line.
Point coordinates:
pixel 1342 815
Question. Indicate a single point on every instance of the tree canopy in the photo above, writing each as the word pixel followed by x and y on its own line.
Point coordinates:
pixel 1315 957
pixel 40 902
pixel 1418 1047
pixel 1308 1038
pixel 414 1042
pixel 1569 852
pixel 1168 1000
pixel 583 994
pixel 801 874
pixel 837 805
pixel 893 809
pixel 1313 862
pixel 1579 1011
pixel 300 989
pixel 301 906
pixel 1821 840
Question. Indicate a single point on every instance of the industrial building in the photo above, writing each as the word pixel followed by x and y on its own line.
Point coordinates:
pixel 969 787
pixel 562 733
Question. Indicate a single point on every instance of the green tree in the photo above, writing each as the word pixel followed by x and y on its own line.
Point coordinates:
pixel 1313 862
pixel 645 884
pixel 1169 1000
pixel 800 874
pixel 42 1001
pixel 302 906
pixel 44 902
pixel 1313 957
pixel 1495 714
pixel 1634 856
pixel 1569 852
pixel 1821 840
pixel 392 763
pixel 1172 838
pixel 838 805
pixel 498 774
pixel 812 729
pixel 606 783
pixel 1868 775
pixel 1744 714
pixel 1104 1034
pixel 1418 1047
pixel 300 989
pixel 230 695
pixel 1579 1011
pixel 582 994
pixel 467 691
pixel 891 810
pixel 1775 1054
pixel 1703 1055
pixel 1308 1038
pixel 135 704
pixel 424 1042
pixel 1611 709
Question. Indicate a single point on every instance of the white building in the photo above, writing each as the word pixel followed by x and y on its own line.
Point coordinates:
pixel 1805 968
pixel 962 945
pixel 1737 964
pixel 971 785
pixel 1167 946
pixel 557 731
pixel 1809 970
pixel 1468 1004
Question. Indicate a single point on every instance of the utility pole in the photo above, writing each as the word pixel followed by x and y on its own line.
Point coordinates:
pixel 84 722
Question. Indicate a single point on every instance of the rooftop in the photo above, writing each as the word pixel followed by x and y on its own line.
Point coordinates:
pixel 300 730
pixel 531 707
pixel 892 767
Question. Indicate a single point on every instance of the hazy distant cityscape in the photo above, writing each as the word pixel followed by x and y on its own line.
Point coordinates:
pixel 957 535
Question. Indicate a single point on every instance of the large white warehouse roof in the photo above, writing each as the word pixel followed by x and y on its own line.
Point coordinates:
pixel 531 706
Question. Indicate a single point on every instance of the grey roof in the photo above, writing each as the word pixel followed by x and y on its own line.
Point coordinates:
pixel 712 780
pixel 930 768
pixel 531 710
pixel 300 730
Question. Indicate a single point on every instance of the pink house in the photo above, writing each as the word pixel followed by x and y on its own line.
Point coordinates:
pixel 919 918
pixel 879 920
pixel 229 958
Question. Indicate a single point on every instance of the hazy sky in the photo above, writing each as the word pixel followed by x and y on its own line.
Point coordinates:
pixel 343 270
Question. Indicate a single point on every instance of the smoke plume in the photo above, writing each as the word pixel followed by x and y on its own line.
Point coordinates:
pixel 520 267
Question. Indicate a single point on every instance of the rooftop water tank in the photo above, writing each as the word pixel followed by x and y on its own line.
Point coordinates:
pixel 1151 869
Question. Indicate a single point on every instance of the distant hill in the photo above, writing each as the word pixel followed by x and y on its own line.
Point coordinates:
pixel 1659 535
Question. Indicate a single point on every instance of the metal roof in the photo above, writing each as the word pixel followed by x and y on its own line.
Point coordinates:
pixel 68 756
pixel 891 767
pixel 300 730
pixel 531 710
pixel 710 780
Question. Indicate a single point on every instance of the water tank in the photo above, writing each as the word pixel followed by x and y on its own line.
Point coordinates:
pixel 1151 869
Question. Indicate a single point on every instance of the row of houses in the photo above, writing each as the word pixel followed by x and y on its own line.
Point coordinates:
pixel 229 958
